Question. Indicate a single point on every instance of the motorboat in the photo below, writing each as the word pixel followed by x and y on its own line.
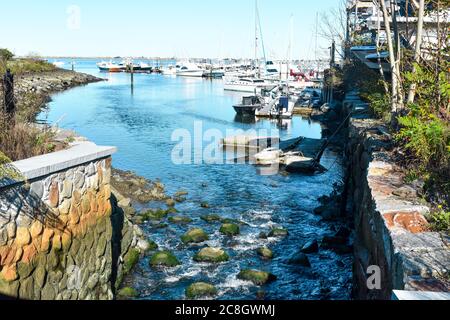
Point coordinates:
pixel 248 106
pixel 169 70
pixel 110 67
pixel 189 70
pixel 253 85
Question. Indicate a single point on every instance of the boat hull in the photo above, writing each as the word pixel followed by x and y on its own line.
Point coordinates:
pixel 245 110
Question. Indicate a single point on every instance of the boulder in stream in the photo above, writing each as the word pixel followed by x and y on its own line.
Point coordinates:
pixel 200 290
pixel 256 276
pixel 165 259
pixel 278 232
pixel 265 253
pixel 180 220
pixel 213 255
pixel 195 235
pixel 230 229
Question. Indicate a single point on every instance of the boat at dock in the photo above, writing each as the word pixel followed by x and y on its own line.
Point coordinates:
pixel 110 67
pixel 248 106
pixel 253 85
pixel 189 70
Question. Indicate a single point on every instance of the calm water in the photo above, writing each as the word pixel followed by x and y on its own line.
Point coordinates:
pixel 141 122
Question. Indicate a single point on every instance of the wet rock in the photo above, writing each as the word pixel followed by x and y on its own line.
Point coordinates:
pixel 130 259
pixel 170 203
pixel 265 253
pixel 337 244
pixel 300 259
pixel 200 290
pixel 127 292
pixel 256 276
pixel 205 205
pixel 146 245
pixel 278 232
pixel 310 247
pixel 165 259
pixel 180 199
pixel 157 215
pixel 196 235
pixel 262 235
pixel 181 193
pixel 213 255
pixel 211 218
pixel 229 229
pixel 343 232
pixel 180 220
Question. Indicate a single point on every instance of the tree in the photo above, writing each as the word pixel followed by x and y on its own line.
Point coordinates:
pixel 417 52
pixel 6 55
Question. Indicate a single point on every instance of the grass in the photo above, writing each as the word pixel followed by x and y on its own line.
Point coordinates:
pixel 27 65
pixel 24 141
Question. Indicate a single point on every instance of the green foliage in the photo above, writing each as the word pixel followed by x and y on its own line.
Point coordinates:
pixel 5 54
pixel 27 65
pixel 426 137
pixel 440 221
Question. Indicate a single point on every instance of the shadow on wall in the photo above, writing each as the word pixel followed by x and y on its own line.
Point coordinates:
pixel 97 249
pixel 117 222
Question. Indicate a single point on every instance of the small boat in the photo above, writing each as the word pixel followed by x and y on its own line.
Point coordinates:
pixel 248 106
pixel 110 67
pixel 254 85
pixel 170 70
pixel 189 70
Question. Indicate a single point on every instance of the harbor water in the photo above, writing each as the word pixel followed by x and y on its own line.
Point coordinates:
pixel 140 121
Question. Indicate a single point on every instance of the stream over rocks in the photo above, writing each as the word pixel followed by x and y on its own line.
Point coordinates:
pixel 272 212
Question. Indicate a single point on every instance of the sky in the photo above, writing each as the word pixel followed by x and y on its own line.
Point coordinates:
pixel 163 28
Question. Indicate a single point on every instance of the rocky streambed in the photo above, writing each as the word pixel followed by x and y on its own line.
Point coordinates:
pixel 196 249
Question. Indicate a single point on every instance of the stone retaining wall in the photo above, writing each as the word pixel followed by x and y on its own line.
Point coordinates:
pixel 56 230
pixel 391 229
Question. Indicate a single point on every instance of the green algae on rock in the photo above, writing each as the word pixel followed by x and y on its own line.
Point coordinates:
pixel 213 255
pixel 164 258
pixel 200 290
pixel 195 235
pixel 256 276
pixel 230 229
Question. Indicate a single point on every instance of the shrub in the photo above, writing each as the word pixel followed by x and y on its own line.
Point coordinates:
pixel 426 137
pixel 440 221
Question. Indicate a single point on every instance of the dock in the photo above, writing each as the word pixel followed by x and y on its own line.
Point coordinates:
pixel 298 155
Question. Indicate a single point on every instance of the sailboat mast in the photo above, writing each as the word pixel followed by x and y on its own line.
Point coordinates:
pixel 317 41
pixel 256 39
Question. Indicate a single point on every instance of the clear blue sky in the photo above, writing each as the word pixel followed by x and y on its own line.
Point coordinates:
pixel 183 28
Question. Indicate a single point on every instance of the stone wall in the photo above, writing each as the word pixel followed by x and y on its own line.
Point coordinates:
pixel 58 230
pixel 391 229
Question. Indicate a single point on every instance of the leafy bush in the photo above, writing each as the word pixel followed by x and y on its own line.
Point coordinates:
pixel 440 221
pixel 5 54
pixel 426 137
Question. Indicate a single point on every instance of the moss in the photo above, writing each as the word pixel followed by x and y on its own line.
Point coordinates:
pixel 266 253
pixel 180 220
pixel 230 229
pixel 257 277
pixel 164 258
pixel 127 292
pixel 211 218
pixel 196 235
pixel 213 255
pixel 200 289
pixel 278 232
pixel 158 214
pixel 152 246
pixel 130 259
